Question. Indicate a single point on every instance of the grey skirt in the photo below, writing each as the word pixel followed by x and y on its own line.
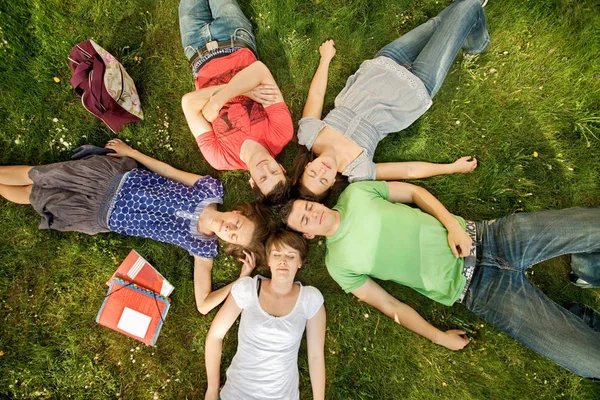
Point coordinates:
pixel 76 195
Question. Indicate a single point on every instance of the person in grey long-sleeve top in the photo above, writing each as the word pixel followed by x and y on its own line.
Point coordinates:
pixel 387 94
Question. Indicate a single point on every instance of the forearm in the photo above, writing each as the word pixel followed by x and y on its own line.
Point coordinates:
pixel 428 203
pixel 410 170
pixel 316 367
pixel 206 300
pixel 318 85
pixel 316 92
pixel 196 100
pixel 212 358
pixel 247 79
pixel 407 317
pixel 152 164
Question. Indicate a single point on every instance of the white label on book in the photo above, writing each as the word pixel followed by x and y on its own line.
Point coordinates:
pixel 136 268
pixel 134 322
pixel 166 288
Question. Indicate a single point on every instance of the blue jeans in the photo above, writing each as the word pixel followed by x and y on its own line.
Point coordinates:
pixel 429 49
pixel 202 21
pixel 501 294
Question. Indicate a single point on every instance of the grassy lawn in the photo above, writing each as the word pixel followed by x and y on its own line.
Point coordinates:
pixel 528 109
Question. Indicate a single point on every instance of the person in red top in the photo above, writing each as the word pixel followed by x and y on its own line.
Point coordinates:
pixel 237 113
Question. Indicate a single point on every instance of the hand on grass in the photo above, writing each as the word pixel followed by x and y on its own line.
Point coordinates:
pixel 454 339
pixel 248 263
pixel 264 94
pixel 327 50
pixel 459 241
pixel 121 148
pixel 464 165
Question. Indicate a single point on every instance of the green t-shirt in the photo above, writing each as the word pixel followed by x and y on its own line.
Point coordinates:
pixel 392 242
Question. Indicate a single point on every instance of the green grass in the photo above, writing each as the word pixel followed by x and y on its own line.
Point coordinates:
pixel 528 109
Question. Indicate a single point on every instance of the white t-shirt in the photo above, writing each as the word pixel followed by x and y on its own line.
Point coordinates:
pixel 265 365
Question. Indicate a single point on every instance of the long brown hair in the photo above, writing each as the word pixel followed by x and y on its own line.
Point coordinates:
pixel 264 225
pixel 300 163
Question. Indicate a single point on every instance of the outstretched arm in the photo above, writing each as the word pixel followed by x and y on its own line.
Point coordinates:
pixel 315 340
pixel 122 149
pixel 213 346
pixel 394 171
pixel 458 239
pixel 206 298
pixel 374 295
pixel 318 86
pixel 243 82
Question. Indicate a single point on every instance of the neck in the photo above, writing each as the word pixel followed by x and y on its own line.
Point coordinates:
pixel 251 149
pixel 335 226
pixel 281 288
pixel 205 219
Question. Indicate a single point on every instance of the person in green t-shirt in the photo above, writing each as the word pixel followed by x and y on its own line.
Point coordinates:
pixel 371 234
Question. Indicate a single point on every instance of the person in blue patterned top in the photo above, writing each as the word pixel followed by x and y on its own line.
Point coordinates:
pixel 108 193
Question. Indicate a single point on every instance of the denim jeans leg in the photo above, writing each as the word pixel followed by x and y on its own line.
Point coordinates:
pixel 507 299
pixel 230 23
pixel 194 19
pixel 526 239
pixel 407 47
pixel 462 26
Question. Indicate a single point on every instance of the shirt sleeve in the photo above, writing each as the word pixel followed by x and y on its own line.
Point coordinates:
pixel 212 150
pixel 363 171
pixel 281 127
pixel 314 301
pixel 347 279
pixel 209 186
pixel 308 129
pixel 241 291
pixel 202 248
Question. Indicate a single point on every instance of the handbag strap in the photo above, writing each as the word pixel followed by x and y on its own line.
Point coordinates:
pixel 92 67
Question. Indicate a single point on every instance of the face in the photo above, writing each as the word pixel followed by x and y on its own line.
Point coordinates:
pixel 311 218
pixel 319 174
pixel 266 173
pixel 233 227
pixel 284 262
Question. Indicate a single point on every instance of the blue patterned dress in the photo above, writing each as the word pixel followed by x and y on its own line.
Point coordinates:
pixel 151 206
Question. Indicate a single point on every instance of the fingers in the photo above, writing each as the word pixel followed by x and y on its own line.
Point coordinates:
pixel 453 247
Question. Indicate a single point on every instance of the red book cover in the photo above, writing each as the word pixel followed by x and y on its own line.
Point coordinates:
pixel 137 270
pixel 133 311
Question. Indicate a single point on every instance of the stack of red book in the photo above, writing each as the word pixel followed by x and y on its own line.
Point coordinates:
pixel 137 300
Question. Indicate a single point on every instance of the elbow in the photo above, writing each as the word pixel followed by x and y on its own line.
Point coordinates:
pixel 186 101
pixel 203 309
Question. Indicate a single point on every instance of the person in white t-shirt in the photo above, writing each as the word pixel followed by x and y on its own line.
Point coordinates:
pixel 274 314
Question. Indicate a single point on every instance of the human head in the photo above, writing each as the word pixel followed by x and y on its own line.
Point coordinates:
pixel 309 218
pixel 286 252
pixel 313 177
pixel 264 224
pixel 283 237
pixel 278 194
pixel 268 180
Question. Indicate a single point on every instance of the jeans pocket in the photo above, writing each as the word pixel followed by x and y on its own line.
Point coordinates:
pixel 245 36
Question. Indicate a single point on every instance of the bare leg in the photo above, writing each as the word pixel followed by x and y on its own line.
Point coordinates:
pixel 16 194
pixel 15 175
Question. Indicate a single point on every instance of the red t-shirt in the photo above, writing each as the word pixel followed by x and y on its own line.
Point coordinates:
pixel 241 118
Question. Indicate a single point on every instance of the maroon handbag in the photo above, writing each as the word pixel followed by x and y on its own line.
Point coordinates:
pixel 106 90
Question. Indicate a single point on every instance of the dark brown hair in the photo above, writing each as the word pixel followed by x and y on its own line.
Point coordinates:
pixel 300 163
pixel 279 194
pixel 289 238
pixel 264 225
pixel 285 211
